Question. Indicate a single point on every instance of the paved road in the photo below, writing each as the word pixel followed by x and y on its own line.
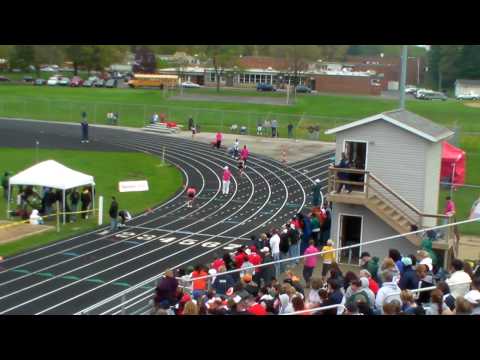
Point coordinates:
pixel 93 272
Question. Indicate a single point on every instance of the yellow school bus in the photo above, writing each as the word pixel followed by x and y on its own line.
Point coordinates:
pixel 154 80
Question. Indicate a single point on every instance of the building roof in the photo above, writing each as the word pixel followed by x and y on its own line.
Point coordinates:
pixel 468 82
pixel 263 62
pixel 406 120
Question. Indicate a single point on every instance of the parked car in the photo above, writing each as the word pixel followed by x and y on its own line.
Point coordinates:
pixel 88 83
pixel 303 89
pixel 28 79
pixel 470 96
pixel 411 90
pixel 265 87
pixel 64 81
pixel 40 82
pixel 100 83
pixel 431 95
pixel 189 84
pixel 53 81
pixel 111 83
pixel 48 69
pixel 16 70
pixel 4 79
pixel 76 81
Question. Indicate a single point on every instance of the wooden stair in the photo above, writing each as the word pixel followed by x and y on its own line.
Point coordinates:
pixel 397 220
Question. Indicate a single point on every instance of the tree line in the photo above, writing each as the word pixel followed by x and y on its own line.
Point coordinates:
pixel 448 63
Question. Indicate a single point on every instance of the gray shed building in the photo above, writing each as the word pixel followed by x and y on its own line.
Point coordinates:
pixel 467 87
pixel 394 183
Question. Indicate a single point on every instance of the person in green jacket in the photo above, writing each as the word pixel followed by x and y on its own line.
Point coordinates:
pixel 315 229
pixel 370 264
pixel 426 245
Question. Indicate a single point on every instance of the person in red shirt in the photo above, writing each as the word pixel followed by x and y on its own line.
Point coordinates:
pixel 372 284
pixel 217 263
pixel 255 259
pixel 191 192
pixel 240 257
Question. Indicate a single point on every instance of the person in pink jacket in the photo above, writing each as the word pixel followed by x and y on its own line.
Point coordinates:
pixel 244 154
pixel 226 180
pixel 310 262
pixel 219 139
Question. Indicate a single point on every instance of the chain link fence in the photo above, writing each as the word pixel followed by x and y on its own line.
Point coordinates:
pixel 297 126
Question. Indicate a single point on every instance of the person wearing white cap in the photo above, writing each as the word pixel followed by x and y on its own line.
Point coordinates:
pixel 226 180
pixel 473 296
pixel 316 193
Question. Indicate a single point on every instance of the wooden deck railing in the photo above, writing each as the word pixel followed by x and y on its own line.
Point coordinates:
pixel 373 185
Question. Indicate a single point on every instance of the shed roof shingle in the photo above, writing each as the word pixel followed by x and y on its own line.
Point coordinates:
pixel 407 120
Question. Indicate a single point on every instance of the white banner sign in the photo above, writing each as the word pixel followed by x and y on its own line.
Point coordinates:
pixel 130 186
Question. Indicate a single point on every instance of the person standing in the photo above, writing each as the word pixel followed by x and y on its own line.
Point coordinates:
pixel 275 247
pixel 219 139
pixel 226 180
pixel 5 182
pixel 274 128
pixel 84 125
pixel 328 258
pixel 85 199
pixel 310 262
pixel 290 130
pixel 316 193
pixel 343 164
pixel 190 123
pixel 74 199
pixel 236 149
pixel 113 212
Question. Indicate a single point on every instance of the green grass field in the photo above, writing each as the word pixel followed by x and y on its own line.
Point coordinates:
pixel 135 107
pixel 108 168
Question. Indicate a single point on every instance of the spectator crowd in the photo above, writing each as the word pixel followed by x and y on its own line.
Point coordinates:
pixel 252 281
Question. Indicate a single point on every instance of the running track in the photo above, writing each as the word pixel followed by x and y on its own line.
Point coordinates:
pixel 94 272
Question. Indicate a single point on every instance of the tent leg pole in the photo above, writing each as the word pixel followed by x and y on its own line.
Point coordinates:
pixel 8 200
pixel 64 207
pixel 93 200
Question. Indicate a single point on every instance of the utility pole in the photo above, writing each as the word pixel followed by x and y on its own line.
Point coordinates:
pixel 403 77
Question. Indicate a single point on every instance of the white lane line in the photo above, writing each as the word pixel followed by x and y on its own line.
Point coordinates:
pixel 128 238
pixel 253 187
pixel 156 276
pixel 106 236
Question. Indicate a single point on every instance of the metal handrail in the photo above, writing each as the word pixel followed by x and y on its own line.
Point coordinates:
pixel 336 306
pixel 430 288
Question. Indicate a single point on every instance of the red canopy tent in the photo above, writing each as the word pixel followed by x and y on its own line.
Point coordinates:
pixel 453 164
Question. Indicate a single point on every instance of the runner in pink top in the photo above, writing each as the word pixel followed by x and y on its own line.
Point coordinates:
pixel 226 180
pixel 218 137
pixel 244 154
pixel 449 207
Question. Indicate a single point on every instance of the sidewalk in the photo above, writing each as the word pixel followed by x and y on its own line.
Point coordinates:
pixel 272 147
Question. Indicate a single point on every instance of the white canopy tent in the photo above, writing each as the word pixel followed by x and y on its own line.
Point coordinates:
pixel 53 175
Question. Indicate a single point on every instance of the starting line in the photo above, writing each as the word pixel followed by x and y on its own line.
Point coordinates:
pixel 127 227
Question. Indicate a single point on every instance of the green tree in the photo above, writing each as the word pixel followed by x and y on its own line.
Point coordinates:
pixel 468 62
pixel 222 57
pixel 298 58
pixel 21 56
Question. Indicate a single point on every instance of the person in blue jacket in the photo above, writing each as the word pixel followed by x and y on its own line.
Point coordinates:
pixel 307 233
pixel 409 279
